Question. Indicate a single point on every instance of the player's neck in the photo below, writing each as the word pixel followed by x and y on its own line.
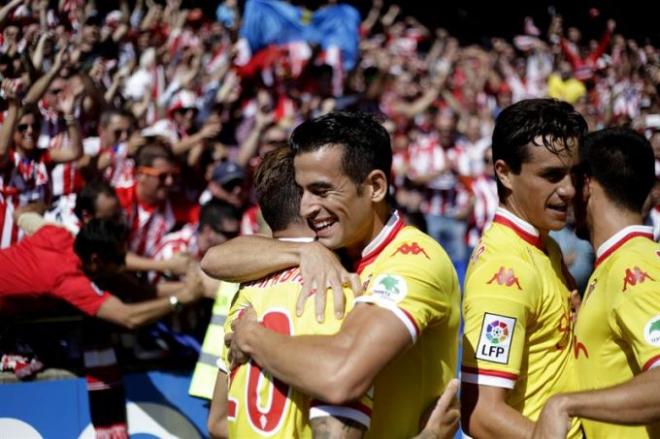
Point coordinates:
pixel 610 220
pixel 513 208
pixel 295 231
pixel 381 215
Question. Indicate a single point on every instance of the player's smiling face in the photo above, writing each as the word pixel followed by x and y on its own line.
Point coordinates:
pixel 338 211
pixel 542 192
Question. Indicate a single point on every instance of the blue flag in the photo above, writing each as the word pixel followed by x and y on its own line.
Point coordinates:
pixel 339 26
pixel 267 22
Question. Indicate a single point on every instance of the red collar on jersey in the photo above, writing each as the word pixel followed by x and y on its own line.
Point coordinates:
pixel 620 238
pixel 384 237
pixel 523 229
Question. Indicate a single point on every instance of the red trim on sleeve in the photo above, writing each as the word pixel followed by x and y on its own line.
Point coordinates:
pixel 650 363
pixel 412 320
pixel 489 372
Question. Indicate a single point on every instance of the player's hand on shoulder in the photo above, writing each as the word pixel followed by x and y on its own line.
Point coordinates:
pixel 235 340
pixel 321 269
pixel 442 423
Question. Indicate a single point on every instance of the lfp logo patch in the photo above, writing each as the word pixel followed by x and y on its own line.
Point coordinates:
pixel 497 332
pixel 495 341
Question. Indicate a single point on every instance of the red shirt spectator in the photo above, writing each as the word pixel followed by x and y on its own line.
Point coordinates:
pixel 54 270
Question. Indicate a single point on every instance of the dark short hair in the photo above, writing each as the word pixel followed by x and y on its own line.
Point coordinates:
pixel 622 162
pixel 107 116
pixel 147 154
pixel 30 108
pixel 277 193
pixel 365 142
pixel 86 198
pixel 214 211
pixel 105 238
pixel 518 126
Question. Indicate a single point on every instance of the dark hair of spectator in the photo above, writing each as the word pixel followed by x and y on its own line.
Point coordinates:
pixel 556 124
pixel 30 109
pixel 105 238
pixel 622 162
pixel 86 198
pixel 147 154
pixel 276 190
pixel 365 142
pixel 107 116
pixel 215 211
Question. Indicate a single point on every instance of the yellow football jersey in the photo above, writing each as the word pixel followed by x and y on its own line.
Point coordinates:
pixel 617 334
pixel 408 273
pixel 260 405
pixel 517 315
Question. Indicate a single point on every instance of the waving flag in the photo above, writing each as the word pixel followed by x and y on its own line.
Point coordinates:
pixel 338 26
pixel 274 22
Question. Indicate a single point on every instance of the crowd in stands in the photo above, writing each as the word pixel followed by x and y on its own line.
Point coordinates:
pixel 157 115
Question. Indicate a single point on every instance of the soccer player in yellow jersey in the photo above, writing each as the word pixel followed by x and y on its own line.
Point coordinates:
pixel 517 339
pixel 256 404
pixel 402 335
pixel 617 334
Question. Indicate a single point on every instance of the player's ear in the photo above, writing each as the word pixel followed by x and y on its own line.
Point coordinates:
pixel 587 187
pixel 376 184
pixel 503 172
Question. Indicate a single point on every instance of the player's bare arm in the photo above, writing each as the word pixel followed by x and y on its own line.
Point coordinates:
pixel 336 428
pixel 217 422
pixel 336 368
pixel 441 423
pixel 636 402
pixel 248 258
pixel 486 414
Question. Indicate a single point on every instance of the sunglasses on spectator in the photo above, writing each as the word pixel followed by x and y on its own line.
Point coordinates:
pixel 232 184
pixel 56 91
pixel 22 127
pixel 159 174
pixel 118 132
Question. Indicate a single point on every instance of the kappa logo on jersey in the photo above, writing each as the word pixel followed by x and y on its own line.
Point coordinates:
pixel 634 276
pixel 505 277
pixel 390 287
pixel 477 252
pixel 495 340
pixel 579 347
pixel 590 289
pixel 652 331
pixel 365 284
pixel 413 248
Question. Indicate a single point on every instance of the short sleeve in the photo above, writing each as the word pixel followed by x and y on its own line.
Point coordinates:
pixel 496 308
pixel 636 319
pixel 417 282
pixel 358 411
pixel 80 292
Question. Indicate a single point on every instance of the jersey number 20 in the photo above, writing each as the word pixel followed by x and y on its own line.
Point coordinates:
pixel 266 414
